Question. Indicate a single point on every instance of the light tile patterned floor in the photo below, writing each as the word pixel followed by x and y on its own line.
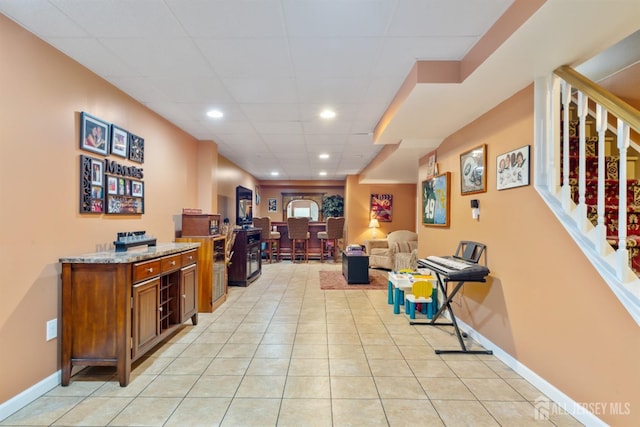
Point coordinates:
pixel 282 352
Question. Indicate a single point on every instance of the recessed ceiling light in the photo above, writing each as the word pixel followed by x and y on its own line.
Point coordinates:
pixel 323 156
pixel 275 173
pixel 323 173
pixel 328 114
pixel 215 114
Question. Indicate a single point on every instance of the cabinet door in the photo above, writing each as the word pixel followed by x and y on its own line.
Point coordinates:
pixel 146 319
pixel 189 293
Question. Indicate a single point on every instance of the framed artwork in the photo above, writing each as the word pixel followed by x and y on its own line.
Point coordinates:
pixel 513 168
pixel 94 134
pixel 97 172
pixel 124 205
pixel 381 207
pixel 273 205
pixel 91 185
pixel 136 148
pixel 257 191
pixel 112 185
pixel 432 167
pixel 436 200
pixel 137 188
pixel 473 177
pixel 119 141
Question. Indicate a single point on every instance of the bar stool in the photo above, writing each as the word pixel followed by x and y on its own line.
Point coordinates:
pixel 299 233
pixel 271 239
pixel 334 231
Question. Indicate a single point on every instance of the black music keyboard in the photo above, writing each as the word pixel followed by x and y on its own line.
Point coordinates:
pixel 454 268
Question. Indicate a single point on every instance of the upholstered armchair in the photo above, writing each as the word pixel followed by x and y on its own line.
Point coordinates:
pixel 399 250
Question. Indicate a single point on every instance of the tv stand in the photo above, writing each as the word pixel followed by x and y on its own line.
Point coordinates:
pixel 246 262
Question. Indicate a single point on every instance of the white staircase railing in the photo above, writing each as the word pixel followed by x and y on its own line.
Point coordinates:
pixel 552 94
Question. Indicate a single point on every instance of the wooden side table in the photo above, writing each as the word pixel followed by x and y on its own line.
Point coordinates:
pixel 355 268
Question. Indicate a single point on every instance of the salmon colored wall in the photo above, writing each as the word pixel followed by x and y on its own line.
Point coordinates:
pixel 43 93
pixel 357 202
pixel 544 303
pixel 230 176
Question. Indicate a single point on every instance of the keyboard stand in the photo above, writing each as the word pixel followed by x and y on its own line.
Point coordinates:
pixel 446 304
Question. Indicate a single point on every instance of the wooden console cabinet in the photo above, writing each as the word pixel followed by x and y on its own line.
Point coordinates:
pixel 117 306
pixel 246 262
pixel 212 271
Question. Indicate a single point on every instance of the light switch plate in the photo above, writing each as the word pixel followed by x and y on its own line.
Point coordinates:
pixel 52 329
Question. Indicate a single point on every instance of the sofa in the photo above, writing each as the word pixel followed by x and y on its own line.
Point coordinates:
pixel 398 251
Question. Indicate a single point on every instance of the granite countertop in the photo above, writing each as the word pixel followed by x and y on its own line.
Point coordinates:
pixel 135 254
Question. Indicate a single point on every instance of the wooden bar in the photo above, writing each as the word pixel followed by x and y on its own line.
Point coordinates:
pixel 314 242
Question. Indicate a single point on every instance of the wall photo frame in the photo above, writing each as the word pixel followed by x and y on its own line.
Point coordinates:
pixel 473 174
pixel 436 200
pixel 94 134
pixel 119 141
pixel 381 207
pixel 272 205
pixel 136 148
pixel 432 166
pixel 513 168
pixel 91 185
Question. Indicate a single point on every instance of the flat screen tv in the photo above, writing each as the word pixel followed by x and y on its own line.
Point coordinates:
pixel 244 207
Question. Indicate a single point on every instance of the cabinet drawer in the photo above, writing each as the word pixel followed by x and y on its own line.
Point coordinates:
pixel 145 270
pixel 170 263
pixel 189 257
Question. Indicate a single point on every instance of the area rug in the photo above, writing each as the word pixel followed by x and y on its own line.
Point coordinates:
pixel 334 280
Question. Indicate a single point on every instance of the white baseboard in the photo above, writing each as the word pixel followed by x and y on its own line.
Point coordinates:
pixel 567 404
pixel 21 400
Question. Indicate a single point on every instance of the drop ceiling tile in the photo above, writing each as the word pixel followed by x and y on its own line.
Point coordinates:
pixel 160 57
pixel 333 57
pixel 188 90
pixel 279 128
pixel 122 19
pixel 93 55
pixel 321 18
pixel 266 112
pixel 248 58
pixel 265 91
pixel 332 91
pixel 42 18
pixel 278 142
pixel 204 18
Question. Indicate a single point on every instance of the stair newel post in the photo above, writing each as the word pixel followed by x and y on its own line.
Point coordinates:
pixel 583 104
pixel 566 189
pixel 601 229
pixel 623 145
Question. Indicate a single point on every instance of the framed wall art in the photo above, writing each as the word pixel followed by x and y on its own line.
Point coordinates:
pixel 119 141
pixel 381 207
pixel 473 176
pixel 91 185
pixel 136 148
pixel 432 166
pixel 94 134
pixel 272 205
pixel 436 200
pixel 513 168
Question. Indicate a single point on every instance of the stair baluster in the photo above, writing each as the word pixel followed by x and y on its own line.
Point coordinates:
pixel 623 146
pixel 601 229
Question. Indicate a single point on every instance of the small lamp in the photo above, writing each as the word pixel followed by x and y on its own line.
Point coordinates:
pixel 374 224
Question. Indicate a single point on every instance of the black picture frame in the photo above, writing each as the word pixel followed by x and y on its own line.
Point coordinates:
pixel 515 173
pixel 91 185
pixel 119 141
pixel 94 134
pixel 136 148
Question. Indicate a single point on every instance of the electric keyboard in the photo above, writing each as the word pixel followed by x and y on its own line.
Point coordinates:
pixel 455 268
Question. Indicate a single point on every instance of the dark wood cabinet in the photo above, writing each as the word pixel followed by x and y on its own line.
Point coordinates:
pixel 355 268
pixel 246 262
pixel 212 271
pixel 116 307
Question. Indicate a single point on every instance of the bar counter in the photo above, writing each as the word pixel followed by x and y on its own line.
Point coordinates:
pixel 314 242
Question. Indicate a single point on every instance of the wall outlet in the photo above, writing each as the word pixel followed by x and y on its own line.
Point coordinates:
pixel 52 329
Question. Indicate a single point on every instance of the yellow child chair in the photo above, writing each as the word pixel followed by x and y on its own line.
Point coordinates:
pixel 421 293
